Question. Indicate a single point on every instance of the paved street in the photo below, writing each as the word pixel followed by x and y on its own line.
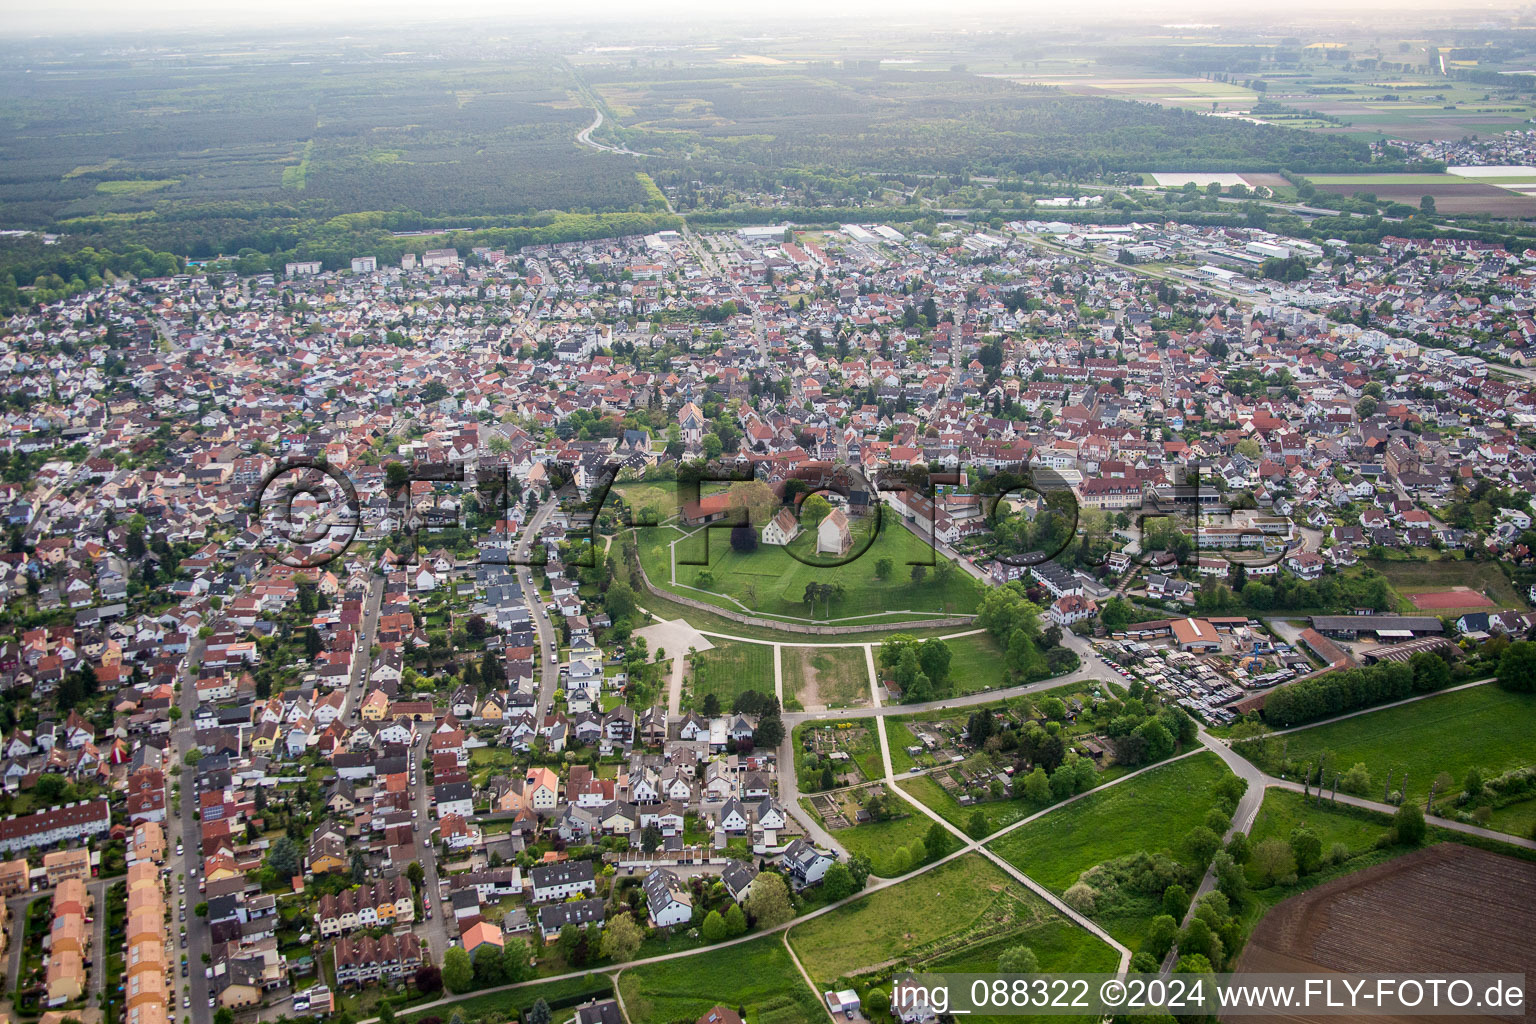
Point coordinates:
pixel 549 680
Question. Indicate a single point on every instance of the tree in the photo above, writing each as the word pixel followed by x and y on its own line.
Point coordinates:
pixel 711 707
pixel 837 883
pixel 936 842
pixel 1176 901
pixel 621 938
pixel 539 1012
pixel 284 858
pixel 919 573
pixel 429 979
pixel 1162 934
pixel 735 921
pixel 1430 672
pixel 414 872
pixel 883 567
pixel 714 926
pixel 813 510
pixel 650 837
pixel 769 732
pixel 1018 960
pixel 977 825
pixel 458 972
pixel 1307 848
pixel 933 657
pixel 768 902
pixel 1037 787
pixel 1409 823
pixel 1157 738
pixel 1273 861
pixel 224 1016
pixel 359 867
pixel 1201 843
pixel 1517 667
pixel 828 780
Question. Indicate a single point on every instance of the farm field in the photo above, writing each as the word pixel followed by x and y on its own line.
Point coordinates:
pixel 1451 194
pixel 1424 738
pixel 1417 908
pixel 1152 812
pixel 758 976
pixel 823 677
pixel 771 582
pixel 729 668
pixel 941 914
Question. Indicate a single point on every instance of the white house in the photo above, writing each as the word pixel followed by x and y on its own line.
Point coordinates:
pixel 667 899
pixel 781 529
pixel 833 536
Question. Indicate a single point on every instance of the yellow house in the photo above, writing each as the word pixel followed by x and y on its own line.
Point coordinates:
pixel 375 706
pixel 265 739
pixel 219 867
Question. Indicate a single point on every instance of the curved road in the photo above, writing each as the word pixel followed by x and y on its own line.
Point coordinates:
pixel 584 137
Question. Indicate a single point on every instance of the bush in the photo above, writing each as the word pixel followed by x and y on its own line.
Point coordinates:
pixel 1081 897
pixel 1408 824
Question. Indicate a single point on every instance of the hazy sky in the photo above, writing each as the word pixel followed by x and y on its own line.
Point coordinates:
pixel 97 16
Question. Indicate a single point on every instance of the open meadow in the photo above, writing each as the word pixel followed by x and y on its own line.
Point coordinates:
pixel 757 976
pixel 944 915
pixel 1483 727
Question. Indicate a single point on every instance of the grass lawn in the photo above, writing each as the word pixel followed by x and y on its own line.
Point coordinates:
pixel 770 581
pixel 966 903
pixel 1284 811
pixel 1517 819
pixel 879 840
pixel 664 608
pixel 502 1005
pixel 1484 727
pixel 759 976
pixel 899 735
pixel 936 798
pixel 836 677
pixel 1151 812
pixel 731 667
pixel 975 663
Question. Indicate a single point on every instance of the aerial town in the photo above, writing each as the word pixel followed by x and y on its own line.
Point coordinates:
pixel 666 627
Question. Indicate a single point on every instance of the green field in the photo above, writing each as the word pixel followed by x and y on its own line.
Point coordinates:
pixel 1284 810
pixel 758 976
pixel 836 677
pixel 504 1005
pixel 729 668
pixel 1151 812
pixel 771 582
pixel 975 663
pixel 998 812
pixel 1483 727
pixel 879 840
pixel 941 914
pixel 665 608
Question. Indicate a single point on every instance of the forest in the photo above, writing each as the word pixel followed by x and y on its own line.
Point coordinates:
pixel 940 122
